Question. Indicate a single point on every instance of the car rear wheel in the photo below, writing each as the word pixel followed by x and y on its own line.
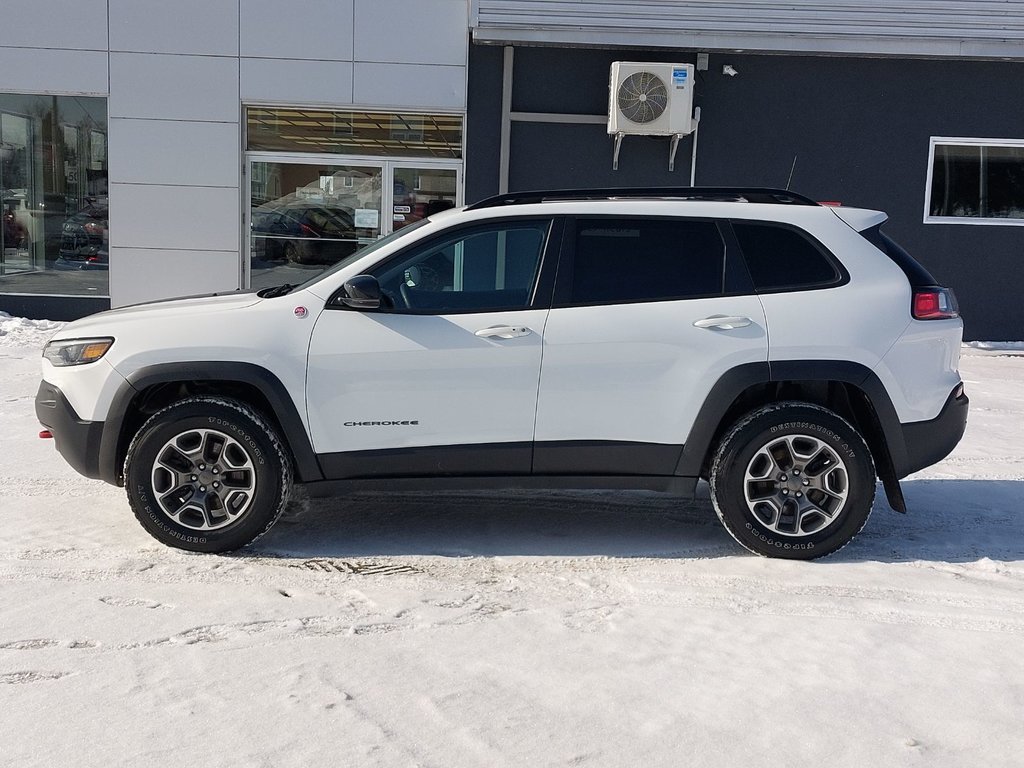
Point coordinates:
pixel 792 480
pixel 207 474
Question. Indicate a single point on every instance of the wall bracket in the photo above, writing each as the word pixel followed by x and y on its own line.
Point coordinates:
pixel 672 151
pixel 615 155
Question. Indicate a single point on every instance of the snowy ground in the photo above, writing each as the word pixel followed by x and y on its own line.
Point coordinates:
pixel 617 629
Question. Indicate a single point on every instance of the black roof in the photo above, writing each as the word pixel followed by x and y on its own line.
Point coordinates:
pixel 713 194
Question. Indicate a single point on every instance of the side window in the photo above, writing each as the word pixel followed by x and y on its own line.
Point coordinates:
pixel 633 260
pixel 484 268
pixel 781 258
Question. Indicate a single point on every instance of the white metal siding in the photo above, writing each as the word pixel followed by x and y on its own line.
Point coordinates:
pixel 975 28
pixel 176 75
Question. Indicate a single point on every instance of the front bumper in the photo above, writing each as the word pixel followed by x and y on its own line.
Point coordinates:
pixel 929 442
pixel 77 441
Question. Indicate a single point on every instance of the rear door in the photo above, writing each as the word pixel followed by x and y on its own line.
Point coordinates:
pixel 648 314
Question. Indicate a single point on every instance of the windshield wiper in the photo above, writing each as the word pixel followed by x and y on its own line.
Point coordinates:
pixel 277 290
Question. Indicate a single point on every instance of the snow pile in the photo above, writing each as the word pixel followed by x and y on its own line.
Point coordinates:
pixel 998 346
pixel 21 332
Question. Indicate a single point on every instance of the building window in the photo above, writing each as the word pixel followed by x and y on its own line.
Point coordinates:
pixel 324 183
pixel 375 134
pixel 975 181
pixel 53 192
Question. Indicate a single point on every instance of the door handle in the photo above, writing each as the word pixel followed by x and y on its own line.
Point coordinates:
pixel 504 332
pixel 725 322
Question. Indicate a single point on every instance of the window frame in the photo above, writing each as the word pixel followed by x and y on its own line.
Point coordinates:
pixel 962 141
pixel 543 281
pixel 735 282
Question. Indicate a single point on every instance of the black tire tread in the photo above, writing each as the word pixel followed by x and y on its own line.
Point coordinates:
pixel 245 410
pixel 725 443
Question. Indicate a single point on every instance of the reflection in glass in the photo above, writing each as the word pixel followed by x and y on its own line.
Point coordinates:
pixel 419 192
pixel 977 181
pixel 53 195
pixel 308 217
pixel 358 133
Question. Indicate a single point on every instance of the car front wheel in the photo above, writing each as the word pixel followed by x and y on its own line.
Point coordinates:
pixel 792 480
pixel 207 474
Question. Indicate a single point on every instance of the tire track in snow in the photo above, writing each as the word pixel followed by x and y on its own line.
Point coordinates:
pixel 609 582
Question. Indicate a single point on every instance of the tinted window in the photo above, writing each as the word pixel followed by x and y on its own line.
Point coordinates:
pixel 474 270
pixel 779 257
pixel 624 260
pixel 977 181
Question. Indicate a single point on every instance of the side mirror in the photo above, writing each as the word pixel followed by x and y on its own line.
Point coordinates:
pixel 361 292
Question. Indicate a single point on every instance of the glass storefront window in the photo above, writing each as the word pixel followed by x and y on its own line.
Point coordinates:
pixel 53 192
pixel 354 133
pixel 306 217
pixel 323 183
pixel 418 192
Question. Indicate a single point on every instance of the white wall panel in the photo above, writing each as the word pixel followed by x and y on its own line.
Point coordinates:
pixel 81 24
pixel 299 29
pixel 156 216
pixel 173 87
pixel 34 70
pixel 146 275
pixel 181 26
pixel 425 32
pixel 173 152
pixel 296 82
pixel 411 85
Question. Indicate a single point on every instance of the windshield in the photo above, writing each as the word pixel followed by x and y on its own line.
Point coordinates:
pixel 365 251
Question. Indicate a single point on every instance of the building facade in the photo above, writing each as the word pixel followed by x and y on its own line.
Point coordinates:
pixel 153 150
pixel 156 149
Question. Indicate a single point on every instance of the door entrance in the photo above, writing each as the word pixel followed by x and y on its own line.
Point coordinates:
pixel 306 213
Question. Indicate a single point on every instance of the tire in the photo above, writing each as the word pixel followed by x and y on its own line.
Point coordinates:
pixel 242 475
pixel 792 480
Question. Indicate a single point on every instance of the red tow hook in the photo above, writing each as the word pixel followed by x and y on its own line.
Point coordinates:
pixel 46 434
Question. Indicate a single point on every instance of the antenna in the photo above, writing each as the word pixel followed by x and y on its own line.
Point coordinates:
pixel 791 169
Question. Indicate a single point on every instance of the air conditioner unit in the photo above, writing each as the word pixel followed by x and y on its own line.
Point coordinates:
pixel 651 99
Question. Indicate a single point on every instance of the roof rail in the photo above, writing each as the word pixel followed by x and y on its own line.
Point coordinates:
pixel 716 194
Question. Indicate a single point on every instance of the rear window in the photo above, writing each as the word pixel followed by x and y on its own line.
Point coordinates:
pixel 781 258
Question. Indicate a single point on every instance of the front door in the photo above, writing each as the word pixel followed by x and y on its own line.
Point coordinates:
pixel 452 365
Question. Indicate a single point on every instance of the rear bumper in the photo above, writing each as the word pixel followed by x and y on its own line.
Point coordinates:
pixel 77 441
pixel 929 442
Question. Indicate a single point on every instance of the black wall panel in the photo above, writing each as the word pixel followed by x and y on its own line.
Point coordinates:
pixel 857 128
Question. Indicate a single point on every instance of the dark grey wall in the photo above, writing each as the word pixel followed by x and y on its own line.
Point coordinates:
pixel 859 129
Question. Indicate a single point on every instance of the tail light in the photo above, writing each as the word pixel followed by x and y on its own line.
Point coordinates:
pixel 934 303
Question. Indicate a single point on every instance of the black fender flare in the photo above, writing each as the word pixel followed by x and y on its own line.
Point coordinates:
pixel 890 452
pixel 307 467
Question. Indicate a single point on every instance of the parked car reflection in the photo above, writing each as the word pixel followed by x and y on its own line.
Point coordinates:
pixel 83 242
pixel 302 231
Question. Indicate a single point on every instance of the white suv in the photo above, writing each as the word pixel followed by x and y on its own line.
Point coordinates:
pixel 785 351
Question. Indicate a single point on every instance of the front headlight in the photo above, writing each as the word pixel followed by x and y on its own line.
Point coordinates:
pixel 76 351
